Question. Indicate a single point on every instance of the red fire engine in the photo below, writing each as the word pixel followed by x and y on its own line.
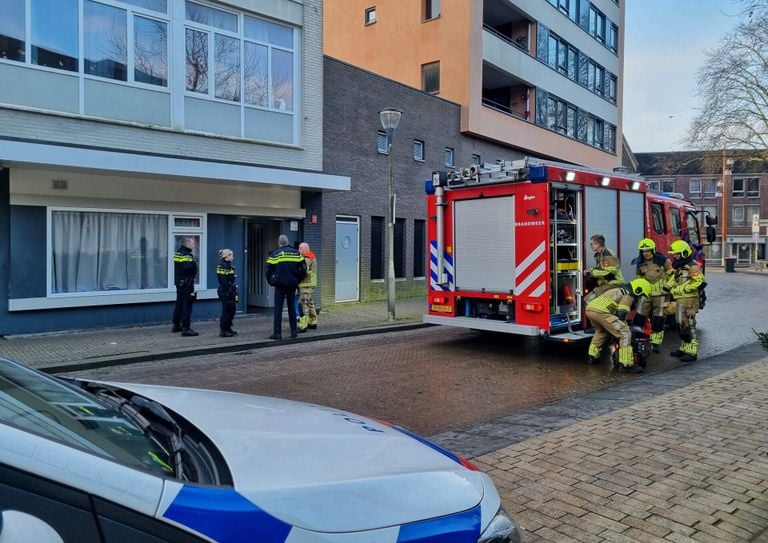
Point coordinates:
pixel 508 243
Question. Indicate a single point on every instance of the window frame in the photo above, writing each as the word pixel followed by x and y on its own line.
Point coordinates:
pixel 431 10
pixel 738 192
pixel 709 188
pixel 449 159
pixel 694 187
pixel 736 212
pixel 430 80
pixel 418 145
pixel 370 16
pixel 200 232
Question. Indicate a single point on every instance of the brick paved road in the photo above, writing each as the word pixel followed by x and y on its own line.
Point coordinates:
pixel 689 466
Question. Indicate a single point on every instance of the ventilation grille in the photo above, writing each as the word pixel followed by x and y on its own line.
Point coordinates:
pixel 59 184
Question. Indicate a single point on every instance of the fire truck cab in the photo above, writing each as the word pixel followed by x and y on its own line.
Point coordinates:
pixel 509 243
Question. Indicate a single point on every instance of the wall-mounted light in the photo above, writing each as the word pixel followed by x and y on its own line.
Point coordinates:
pixel 605 181
pixel 635 185
pixel 570 176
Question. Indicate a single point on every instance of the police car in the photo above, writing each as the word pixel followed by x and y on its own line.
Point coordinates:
pixel 84 461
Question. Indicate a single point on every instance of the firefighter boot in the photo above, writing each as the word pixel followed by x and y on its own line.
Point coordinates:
pixel 626 362
pixel 312 323
pixel 690 351
pixel 656 340
pixel 303 323
pixel 593 355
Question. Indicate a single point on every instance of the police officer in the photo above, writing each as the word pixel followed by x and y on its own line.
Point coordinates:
pixel 607 270
pixel 608 313
pixel 656 268
pixel 184 273
pixel 684 287
pixel 285 270
pixel 227 292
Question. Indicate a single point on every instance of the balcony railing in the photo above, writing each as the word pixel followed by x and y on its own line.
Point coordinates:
pixel 506 109
pixel 521 43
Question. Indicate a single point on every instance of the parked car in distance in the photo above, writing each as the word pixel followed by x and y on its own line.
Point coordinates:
pixel 86 462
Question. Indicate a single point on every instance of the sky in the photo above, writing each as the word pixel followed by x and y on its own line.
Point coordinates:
pixel 664 46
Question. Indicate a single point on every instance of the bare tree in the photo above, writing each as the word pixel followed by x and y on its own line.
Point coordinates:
pixel 734 87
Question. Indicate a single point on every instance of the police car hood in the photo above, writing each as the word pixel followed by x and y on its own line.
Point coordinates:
pixel 324 469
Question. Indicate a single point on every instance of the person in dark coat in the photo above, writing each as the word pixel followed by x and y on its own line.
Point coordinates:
pixel 227 292
pixel 285 270
pixel 184 274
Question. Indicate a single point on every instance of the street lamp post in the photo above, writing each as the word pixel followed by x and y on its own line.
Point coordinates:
pixel 726 169
pixel 390 118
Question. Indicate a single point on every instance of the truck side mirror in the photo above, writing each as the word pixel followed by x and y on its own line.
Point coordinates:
pixel 711 220
pixel 711 234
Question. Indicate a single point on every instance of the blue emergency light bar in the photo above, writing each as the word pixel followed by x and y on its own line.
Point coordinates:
pixel 537 173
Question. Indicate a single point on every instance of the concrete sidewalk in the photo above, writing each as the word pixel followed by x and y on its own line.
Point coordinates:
pixel 109 346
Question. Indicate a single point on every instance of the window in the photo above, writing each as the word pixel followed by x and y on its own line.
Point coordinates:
pixel 737 216
pixel 476 159
pixel 694 187
pixel 668 185
pixel 55 49
pixel 418 150
pixel 448 157
pixel 399 247
pixel 654 185
pixel 751 211
pixel 381 142
pixel 377 247
pixel 738 188
pixel 258 57
pixel 13 31
pixel 370 16
pixel 430 77
pixel 613 38
pixel 431 9
pixel 610 138
pixel 612 85
pixel 753 187
pixel 657 217
pixel 710 188
pixel 108 251
pixel 676 221
pixel 419 247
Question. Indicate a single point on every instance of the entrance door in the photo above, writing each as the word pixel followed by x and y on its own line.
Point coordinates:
pixel 262 238
pixel 347 259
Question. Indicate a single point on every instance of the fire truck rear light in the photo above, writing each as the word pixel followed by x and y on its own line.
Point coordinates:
pixel 533 308
pixel 438 300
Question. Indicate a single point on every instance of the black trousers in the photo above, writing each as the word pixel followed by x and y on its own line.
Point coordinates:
pixel 283 294
pixel 182 312
pixel 228 308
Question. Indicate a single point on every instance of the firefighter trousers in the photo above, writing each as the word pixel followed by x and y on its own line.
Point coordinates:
pixel 608 325
pixel 653 308
pixel 685 310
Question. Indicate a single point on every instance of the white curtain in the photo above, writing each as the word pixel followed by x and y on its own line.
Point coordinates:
pixel 109 251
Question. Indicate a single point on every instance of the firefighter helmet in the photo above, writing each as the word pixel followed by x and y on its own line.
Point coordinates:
pixel 646 244
pixel 679 247
pixel 640 287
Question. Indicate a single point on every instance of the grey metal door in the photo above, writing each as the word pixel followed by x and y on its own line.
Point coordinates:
pixel 347 259
pixel 262 238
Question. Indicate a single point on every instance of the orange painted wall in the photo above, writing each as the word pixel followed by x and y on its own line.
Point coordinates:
pixel 400 41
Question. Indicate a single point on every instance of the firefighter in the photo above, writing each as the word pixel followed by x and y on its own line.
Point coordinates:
pixel 656 268
pixel 607 270
pixel 608 313
pixel 306 288
pixel 684 286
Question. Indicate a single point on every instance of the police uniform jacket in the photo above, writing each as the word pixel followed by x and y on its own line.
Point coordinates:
pixel 184 267
pixel 285 267
pixel 227 280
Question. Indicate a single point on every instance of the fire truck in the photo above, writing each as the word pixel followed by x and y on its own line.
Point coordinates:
pixel 508 243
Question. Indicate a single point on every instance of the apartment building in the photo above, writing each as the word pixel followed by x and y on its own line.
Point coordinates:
pixel 732 186
pixel 543 76
pixel 126 125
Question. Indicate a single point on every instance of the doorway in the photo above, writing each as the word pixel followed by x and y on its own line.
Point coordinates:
pixel 347 259
pixel 262 238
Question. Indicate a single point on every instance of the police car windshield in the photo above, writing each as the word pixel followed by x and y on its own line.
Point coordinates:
pixel 38 403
